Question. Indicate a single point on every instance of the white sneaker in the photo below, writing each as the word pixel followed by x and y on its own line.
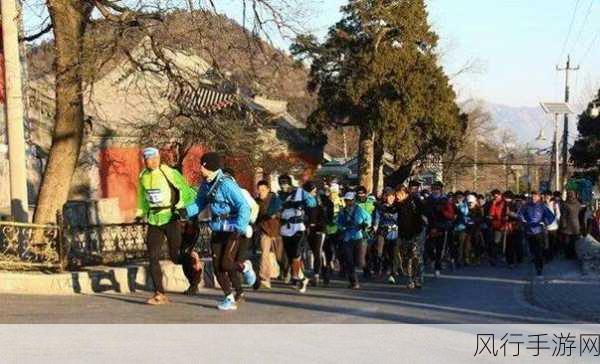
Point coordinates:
pixel 437 274
pixel 303 285
pixel 228 304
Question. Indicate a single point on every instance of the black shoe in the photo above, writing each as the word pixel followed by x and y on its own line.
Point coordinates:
pixel 192 291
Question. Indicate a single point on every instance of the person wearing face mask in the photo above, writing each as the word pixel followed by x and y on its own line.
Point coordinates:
pixel 440 215
pixel 229 222
pixel 296 203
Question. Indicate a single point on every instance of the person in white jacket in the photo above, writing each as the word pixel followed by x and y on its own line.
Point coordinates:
pixel 552 247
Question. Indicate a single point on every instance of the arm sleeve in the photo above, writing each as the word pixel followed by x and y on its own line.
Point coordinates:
pixel 199 204
pixel 235 196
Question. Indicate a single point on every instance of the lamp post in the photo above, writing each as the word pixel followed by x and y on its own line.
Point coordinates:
pixel 556 108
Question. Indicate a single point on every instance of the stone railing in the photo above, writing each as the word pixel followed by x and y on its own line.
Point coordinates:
pixel 588 253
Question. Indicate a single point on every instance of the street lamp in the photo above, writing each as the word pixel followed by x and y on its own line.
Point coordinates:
pixel 556 108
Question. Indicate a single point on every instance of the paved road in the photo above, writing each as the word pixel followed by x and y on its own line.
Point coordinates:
pixel 470 295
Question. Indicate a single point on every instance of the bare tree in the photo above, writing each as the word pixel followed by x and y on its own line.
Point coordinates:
pixel 69 20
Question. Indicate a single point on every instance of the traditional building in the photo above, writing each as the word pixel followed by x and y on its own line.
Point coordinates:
pixel 121 102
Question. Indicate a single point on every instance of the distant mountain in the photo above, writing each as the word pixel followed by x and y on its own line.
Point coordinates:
pixel 526 121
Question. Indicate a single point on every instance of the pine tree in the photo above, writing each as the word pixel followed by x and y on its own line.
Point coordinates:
pixel 585 153
pixel 378 70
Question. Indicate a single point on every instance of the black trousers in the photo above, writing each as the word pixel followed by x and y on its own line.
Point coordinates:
pixel 536 246
pixel 354 257
pixel 436 246
pixel 155 238
pixel 189 238
pixel 226 258
pixel 330 247
pixel 316 240
pixel 514 252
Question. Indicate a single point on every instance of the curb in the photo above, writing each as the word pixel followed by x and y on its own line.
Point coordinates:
pixel 96 280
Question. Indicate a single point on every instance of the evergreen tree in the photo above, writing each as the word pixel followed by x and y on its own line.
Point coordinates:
pixel 378 70
pixel 585 153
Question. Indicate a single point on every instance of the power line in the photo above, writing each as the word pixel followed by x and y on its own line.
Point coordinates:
pixel 587 15
pixel 564 47
pixel 588 50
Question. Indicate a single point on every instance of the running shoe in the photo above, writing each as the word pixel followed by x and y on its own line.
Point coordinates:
pixel 158 299
pixel 228 304
pixel 303 284
pixel 249 275
pixel 391 279
pixel 437 274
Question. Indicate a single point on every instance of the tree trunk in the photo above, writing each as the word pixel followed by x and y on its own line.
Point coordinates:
pixel 365 158
pixel 69 19
pixel 378 163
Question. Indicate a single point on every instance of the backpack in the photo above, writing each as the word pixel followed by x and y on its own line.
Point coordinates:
pixel 254 208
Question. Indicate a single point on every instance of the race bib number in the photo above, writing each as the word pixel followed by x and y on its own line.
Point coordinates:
pixel 154 196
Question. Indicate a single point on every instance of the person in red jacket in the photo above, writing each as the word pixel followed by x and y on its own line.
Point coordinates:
pixel 498 219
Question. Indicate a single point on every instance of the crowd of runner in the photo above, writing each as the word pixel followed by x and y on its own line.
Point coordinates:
pixel 305 235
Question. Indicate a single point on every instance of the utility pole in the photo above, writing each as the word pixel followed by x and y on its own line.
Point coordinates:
pixel 14 110
pixel 475 164
pixel 565 146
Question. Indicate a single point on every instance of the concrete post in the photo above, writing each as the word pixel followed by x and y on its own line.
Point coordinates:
pixel 14 110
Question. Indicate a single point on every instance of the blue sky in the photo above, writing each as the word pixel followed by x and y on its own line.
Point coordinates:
pixel 515 43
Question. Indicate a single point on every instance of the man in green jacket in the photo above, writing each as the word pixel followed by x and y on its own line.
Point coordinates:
pixel 162 193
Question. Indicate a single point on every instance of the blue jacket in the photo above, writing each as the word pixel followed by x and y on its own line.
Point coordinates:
pixel 535 216
pixel 386 221
pixel 462 217
pixel 352 223
pixel 228 206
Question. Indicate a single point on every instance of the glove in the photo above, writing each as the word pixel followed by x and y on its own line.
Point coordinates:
pixel 228 226
pixel 182 214
pixel 248 232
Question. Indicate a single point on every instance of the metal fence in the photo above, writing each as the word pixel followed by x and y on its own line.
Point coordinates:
pixel 26 246
pixel 30 246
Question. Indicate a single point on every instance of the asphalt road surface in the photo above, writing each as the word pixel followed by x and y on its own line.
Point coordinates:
pixel 473 295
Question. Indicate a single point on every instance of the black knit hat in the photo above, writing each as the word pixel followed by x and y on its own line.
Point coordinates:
pixel 414 183
pixel 211 161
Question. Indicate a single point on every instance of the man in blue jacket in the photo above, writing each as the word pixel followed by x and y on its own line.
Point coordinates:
pixel 352 221
pixel 536 216
pixel 230 218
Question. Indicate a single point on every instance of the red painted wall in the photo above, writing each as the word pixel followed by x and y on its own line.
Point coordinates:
pixel 120 167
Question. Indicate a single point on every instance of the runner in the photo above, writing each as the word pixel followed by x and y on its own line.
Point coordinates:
pixel 385 225
pixel 411 234
pixel 440 216
pixel 332 204
pixel 268 225
pixel 497 218
pixel 316 231
pixel 535 215
pixel 229 222
pixel 352 221
pixel 162 194
pixel 293 229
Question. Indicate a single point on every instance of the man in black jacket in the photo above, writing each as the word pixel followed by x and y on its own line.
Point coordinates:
pixel 411 233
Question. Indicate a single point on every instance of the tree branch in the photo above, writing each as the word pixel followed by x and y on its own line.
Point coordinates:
pixel 35 36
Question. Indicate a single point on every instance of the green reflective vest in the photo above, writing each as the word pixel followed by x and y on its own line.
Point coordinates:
pixel 154 197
